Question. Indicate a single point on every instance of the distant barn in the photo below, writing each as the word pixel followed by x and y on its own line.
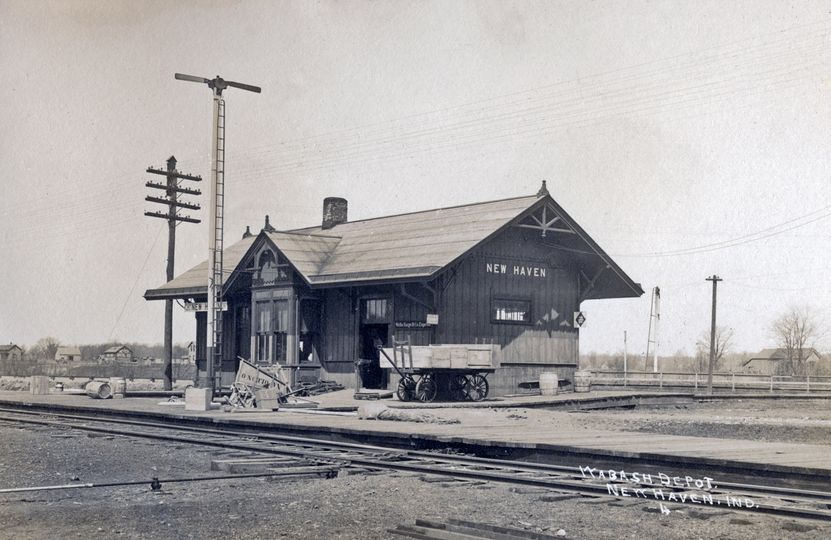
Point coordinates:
pixel 68 354
pixel 10 352
pixel 118 353
pixel 768 361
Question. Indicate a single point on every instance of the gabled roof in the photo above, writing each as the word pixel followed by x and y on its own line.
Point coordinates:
pixel 412 246
pixel 68 351
pixel 9 347
pixel 776 355
pixel 194 282
pixel 116 348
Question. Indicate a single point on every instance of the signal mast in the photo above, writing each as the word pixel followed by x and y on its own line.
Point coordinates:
pixel 215 221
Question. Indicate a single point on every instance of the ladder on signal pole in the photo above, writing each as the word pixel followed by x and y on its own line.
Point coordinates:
pixel 219 186
pixel 215 280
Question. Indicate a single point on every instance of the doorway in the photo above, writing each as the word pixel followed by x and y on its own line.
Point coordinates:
pixel 372 335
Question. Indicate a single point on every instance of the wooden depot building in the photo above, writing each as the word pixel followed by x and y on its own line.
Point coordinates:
pixel 511 273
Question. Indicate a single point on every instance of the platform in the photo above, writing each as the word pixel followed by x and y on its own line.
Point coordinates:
pixel 505 427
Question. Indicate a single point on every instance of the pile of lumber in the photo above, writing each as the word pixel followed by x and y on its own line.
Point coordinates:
pixel 317 388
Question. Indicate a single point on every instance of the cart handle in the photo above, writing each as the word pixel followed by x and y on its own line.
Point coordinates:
pixel 381 350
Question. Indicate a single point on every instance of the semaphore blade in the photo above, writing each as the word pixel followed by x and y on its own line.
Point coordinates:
pixel 248 87
pixel 183 77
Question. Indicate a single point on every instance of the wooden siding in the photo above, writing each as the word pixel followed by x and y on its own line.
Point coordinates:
pixel 341 326
pixel 551 287
pixel 339 335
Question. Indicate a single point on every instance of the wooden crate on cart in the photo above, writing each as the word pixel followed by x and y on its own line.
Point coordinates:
pixel 459 370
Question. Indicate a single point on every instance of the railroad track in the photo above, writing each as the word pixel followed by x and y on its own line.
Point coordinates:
pixel 278 455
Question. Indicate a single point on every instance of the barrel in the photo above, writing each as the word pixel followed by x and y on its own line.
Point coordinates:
pixel 582 381
pixel 548 383
pixel 39 384
pixel 98 390
pixel 118 386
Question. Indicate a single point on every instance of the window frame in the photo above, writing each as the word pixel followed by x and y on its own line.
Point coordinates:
pixel 364 309
pixel 271 343
pixel 502 298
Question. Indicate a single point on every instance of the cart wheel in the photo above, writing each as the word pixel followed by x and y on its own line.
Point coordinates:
pixel 459 388
pixel 478 389
pixel 426 389
pixel 406 389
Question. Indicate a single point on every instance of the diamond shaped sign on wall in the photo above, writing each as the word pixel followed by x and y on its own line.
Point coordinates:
pixel 579 319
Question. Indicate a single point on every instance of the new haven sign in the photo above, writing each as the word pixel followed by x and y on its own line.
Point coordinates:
pixel 519 270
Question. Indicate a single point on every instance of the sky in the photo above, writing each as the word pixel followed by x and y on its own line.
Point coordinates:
pixel 687 138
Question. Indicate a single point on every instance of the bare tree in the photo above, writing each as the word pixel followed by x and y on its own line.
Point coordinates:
pixel 724 340
pixel 796 333
pixel 45 348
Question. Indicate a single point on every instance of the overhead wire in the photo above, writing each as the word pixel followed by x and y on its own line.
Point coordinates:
pixel 135 282
pixel 673 60
pixel 578 90
pixel 514 130
pixel 740 240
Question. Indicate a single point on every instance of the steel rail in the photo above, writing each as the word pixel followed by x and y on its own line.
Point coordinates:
pixel 745 489
pixel 443 458
pixel 156 483
pixel 423 465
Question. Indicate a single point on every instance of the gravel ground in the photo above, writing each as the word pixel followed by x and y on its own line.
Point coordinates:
pixel 793 421
pixel 350 506
pixel 771 420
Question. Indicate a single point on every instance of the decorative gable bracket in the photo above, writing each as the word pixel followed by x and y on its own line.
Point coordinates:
pixel 546 220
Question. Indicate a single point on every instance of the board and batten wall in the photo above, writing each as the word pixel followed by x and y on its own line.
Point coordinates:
pixel 515 266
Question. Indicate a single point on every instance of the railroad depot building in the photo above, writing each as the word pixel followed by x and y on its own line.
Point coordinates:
pixel 511 273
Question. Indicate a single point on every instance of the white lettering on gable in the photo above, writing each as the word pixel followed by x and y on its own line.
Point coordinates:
pixel 515 270
pixel 496 268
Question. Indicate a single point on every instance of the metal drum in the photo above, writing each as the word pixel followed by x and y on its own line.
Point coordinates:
pixel 98 390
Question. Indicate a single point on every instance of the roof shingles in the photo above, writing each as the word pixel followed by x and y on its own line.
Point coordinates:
pixel 413 245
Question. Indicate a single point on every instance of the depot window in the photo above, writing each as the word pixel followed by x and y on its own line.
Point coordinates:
pixel 511 310
pixel 375 310
pixel 271 332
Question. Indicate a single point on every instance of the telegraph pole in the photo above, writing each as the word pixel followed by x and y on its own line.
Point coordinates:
pixel 652 335
pixel 715 279
pixel 625 366
pixel 172 190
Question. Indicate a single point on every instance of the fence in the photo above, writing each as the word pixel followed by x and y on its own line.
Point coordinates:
pixel 128 370
pixel 732 382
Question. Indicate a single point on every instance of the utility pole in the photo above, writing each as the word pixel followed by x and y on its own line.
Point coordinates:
pixel 172 190
pixel 715 279
pixel 652 335
pixel 216 222
pixel 624 354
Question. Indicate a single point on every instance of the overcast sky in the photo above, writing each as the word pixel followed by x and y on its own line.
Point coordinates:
pixel 688 138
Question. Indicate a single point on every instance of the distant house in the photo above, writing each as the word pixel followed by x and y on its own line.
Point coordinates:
pixel 189 357
pixel 767 361
pixel 68 354
pixel 10 352
pixel 118 353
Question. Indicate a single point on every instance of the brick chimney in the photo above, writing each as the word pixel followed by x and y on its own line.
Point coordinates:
pixel 334 212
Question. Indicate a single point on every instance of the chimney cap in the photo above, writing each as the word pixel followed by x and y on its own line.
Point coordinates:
pixel 267 227
pixel 543 191
pixel 247 232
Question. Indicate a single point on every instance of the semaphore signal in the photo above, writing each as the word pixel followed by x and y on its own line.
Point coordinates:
pixel 215 222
